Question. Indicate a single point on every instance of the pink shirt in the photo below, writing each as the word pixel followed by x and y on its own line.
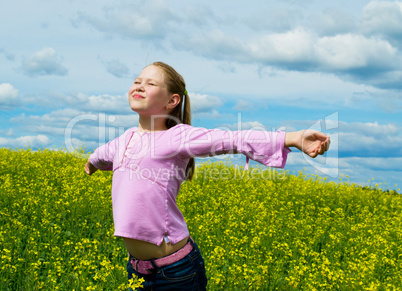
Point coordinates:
pixel 149 167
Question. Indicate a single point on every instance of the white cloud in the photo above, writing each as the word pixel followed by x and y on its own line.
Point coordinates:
pixel 116 104
pixel 38 140
pixel 347 55
pixel 203 102
pixel 352 52
pixel 302 50
pixel 107 103
pixel 8 96
pixel 370 128
pixel 360 145
pixel 44 62
pixel 25 141
pixel 291 47
pixel 384 18
pixel 55 118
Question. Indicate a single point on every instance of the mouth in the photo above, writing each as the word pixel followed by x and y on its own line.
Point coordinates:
pixel 138 96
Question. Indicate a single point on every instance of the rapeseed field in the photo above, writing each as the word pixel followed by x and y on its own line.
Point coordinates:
pixel 259 229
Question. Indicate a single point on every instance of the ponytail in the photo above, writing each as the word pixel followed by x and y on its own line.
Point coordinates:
pixel 182 112
pixel 187 120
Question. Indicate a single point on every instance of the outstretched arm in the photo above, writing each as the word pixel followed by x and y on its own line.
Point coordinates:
pixel 310 142
pixel 264 147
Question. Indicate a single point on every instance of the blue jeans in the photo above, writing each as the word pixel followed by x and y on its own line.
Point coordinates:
pixel 185 274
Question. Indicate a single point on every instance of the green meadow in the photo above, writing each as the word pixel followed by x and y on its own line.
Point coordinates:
pixel 260 229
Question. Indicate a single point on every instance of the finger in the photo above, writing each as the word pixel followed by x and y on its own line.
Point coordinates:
pixel 328 143
pixel 320 150
pixel 313 154
pixel 323 148
pixel 321 136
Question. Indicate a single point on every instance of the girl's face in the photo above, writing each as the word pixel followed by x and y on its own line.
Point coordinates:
pixel 148 95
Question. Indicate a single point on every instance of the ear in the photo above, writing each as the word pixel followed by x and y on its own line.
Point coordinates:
pixel 173 101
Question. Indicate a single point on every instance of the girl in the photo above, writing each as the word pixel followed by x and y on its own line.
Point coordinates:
pixel 150 162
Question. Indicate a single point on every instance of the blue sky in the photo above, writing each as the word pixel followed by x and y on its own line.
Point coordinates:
pixel 66 67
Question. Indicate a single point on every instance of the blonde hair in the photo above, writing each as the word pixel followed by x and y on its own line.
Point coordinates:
pixel 182 112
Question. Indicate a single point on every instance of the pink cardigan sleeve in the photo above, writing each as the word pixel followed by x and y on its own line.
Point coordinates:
pixel 102 158
pixel 261 146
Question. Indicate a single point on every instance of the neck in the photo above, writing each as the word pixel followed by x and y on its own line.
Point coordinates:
pixel 149 123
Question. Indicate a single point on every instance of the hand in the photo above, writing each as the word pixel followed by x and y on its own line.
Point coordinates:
pixel 89 168
pixel 310 142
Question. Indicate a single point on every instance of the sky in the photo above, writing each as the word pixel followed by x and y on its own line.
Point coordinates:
pixel 333 66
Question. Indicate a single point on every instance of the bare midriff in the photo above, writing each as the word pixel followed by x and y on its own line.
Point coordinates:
pixel 143 250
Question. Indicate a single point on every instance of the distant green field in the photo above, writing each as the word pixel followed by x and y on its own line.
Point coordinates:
pixel 260 229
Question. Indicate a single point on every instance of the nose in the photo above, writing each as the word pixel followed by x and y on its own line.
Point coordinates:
pixel 139 88
pixel 136 88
